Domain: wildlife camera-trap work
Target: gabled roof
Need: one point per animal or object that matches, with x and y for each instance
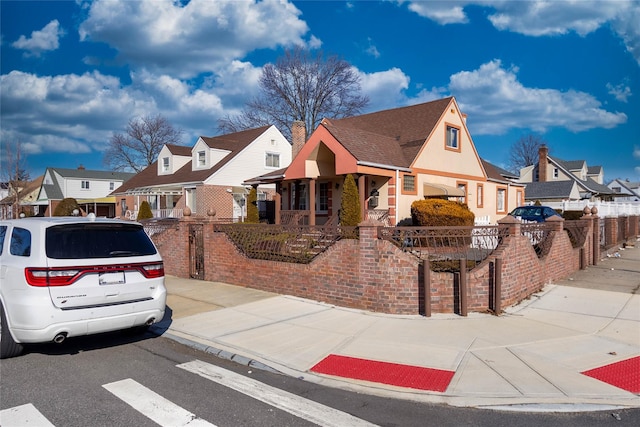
(391, 137)
(633, 188)
(179, 150)
(27, 189)
(589, 185)
(549, 190)
(233, 142)
(92, 174)
(496, 173)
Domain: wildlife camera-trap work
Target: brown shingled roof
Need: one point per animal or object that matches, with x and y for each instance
(234, 142)
(401, 132)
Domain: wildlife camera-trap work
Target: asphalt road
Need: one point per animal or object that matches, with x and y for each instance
(123, 380)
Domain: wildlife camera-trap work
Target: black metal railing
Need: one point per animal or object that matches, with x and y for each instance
(286, 243)
(539, 233)
(444, 247)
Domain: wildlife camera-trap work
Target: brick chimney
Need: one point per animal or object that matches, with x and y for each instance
(80, 168)
(298, 137)
(543, 152)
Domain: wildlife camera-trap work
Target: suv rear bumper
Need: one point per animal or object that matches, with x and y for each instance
(88, 326)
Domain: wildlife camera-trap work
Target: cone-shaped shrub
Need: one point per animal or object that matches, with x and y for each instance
(66, 207)
(441, 213)
(145, 211)
(350, 214)
(253, 216)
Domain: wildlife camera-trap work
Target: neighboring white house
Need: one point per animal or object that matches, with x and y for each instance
(207, 178)
(625, 190)
(90, 188)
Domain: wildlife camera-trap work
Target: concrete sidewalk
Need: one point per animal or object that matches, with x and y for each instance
(533, 357)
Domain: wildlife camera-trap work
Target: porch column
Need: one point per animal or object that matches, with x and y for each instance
(277, 202)
(312, 201)
(361, 196)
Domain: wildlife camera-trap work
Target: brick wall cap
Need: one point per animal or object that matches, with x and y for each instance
(509, 219)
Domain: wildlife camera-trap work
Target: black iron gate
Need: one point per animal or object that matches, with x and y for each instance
(196, 251)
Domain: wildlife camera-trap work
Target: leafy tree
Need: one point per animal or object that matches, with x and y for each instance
(350, 213)
(524, 152)
(140, 145)
(253, 216)
(145, 211)
(66, 207)
(301, 86)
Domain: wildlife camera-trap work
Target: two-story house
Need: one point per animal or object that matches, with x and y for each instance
(207, 178)
(90, 188)
(555, 180)
(397, 156)
(625, 190)
(20, 198)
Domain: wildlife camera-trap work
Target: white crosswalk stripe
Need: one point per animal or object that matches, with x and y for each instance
(303, 408)
(167, 414)
(153, 406)
(23, 415)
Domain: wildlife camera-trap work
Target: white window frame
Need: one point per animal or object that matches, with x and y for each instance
(272, 160)
(165, 164)
(202, 159)
(84, 185)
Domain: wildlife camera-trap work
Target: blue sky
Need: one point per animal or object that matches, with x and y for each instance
(75, 72)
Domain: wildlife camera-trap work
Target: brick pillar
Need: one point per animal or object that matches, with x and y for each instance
(513, 224)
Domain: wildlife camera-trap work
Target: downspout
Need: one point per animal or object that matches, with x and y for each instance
(397, 194)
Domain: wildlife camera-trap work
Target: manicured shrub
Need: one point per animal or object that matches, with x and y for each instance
(350, 214)
(441, 213)
(253, 216)
(145, 211)
(66, 207)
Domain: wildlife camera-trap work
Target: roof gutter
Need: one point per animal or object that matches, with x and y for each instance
(381, 166)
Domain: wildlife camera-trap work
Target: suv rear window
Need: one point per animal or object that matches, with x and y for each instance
(97, 240)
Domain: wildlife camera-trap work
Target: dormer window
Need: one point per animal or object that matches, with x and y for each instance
(165, 164)
(202, 161)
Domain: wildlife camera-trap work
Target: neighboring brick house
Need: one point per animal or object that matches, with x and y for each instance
(20, 199)
(207, 177)
(555, 180)
(90, 188)
(398, 156)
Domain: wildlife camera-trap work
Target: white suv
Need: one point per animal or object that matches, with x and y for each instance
(68, 276)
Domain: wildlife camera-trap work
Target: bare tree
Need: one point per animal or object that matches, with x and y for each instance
(14, 173)
(140, 145)
(300, 86)
(524, 152)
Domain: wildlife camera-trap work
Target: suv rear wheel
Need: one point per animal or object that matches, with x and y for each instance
(8, 347)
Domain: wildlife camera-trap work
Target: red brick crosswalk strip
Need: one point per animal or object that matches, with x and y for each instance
(385, 373)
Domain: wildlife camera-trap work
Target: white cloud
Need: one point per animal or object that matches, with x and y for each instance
(545, 18)
(636, 151)
(199, 37)
(621, 92)
(41, 41)
(372, 49)
(385, 89)
(497, 102)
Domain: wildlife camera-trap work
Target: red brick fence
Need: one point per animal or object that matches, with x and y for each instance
(371, 273)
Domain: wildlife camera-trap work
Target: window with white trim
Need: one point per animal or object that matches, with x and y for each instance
(111, 186)
(165, 164)
(272, 160)
(84, 185)
(501, 200)
(202, 160)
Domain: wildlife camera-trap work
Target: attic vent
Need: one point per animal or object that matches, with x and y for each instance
(273, 142)
(453, 111)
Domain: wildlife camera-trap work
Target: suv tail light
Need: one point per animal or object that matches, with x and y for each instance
(65, 276)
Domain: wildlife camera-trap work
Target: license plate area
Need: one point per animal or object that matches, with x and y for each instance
(111, 278)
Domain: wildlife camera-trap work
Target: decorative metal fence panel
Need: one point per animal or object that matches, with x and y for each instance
(444, 247)
(286, 243)
(196, 251)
